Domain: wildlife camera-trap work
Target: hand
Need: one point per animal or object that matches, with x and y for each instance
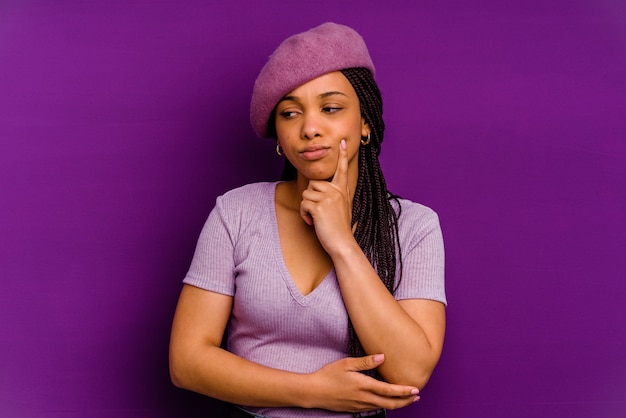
(326, 205)
(339, 386)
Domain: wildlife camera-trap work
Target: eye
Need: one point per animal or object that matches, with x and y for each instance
(331, 109)
(288, 114)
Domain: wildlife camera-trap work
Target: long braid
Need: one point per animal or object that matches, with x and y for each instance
(376, 220)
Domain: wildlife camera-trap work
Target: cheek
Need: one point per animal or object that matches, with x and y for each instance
(280, 132)
(354, 132)
(353, 149)
(282, 128)
(354, 140)
(283, 135)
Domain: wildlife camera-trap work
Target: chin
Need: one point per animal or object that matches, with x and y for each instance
(320, 176)
(319, 173)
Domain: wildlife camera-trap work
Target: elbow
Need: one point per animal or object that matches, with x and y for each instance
(416, 375)
(424, 371)
(177, 371)
(417, 378)
(422, 379)
(176, 380)
(175, 375)
(421, 368)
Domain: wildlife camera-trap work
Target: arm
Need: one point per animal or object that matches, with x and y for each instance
(409, 332)
(199, 364)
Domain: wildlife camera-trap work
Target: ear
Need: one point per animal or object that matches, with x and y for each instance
(365, 128)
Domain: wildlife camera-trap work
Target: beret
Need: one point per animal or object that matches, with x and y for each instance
(301, 58)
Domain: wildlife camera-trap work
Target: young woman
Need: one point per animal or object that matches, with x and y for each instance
(327, 289)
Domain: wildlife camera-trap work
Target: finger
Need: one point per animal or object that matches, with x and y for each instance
(312, 193)
(395, 403)
(341, 173)
(305, 213)
(373, 401)
(388, 390)
(383, 388)
(367, 362)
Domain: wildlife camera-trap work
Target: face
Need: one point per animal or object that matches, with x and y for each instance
(312, 120)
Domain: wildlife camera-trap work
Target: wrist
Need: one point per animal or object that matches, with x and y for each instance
(305, 391)
(345, 250)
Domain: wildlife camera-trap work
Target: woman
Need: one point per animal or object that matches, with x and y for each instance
(328, 288)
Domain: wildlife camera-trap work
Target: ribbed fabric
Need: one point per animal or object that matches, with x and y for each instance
(272, 323)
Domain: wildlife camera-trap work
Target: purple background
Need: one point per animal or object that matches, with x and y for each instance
(120, 122)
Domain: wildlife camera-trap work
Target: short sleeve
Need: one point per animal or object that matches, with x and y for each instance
(212, 266)
(423, 260)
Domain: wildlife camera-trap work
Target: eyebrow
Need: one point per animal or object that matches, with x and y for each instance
(321, 96)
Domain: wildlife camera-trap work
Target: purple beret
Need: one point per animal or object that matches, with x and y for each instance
(301, 58)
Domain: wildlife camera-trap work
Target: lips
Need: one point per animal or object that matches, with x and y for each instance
(314, 153)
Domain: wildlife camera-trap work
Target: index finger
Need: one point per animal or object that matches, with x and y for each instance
(340, 178)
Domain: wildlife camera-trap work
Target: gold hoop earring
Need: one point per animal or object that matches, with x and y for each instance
(279, 150)
(367, 140)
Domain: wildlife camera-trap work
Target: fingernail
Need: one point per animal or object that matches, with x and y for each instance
(343, 144)
(417, 398)
(415, 391)
(379, 358)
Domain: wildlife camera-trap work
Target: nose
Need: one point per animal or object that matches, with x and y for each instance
(310, 125)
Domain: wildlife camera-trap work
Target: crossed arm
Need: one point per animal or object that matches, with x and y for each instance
(409, 332)
(199, 364)
(403, 338)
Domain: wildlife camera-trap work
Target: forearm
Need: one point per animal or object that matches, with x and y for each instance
(382, 324)
(217, 373)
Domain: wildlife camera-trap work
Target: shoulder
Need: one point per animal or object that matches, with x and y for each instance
(245, 202)
(415, 213)
(241, 198)
(248, 192)
(423, 253)
(415, 221)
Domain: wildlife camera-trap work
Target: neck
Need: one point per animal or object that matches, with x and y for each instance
(301, 183)
(294, 188)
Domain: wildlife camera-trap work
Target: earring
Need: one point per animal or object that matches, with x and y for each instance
(367, 140)
(279, 150)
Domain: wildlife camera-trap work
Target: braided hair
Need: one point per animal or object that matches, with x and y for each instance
(375, 218)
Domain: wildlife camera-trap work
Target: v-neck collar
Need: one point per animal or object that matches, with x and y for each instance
(301, 298)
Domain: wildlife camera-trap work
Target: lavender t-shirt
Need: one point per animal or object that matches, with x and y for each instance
(272, 323)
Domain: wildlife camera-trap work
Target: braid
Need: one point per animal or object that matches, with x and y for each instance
(376, 220)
